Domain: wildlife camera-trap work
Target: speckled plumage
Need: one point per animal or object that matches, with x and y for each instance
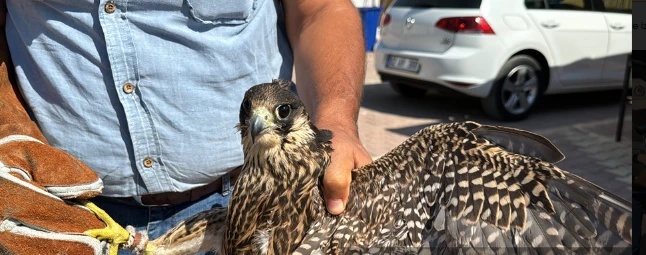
(450, 188)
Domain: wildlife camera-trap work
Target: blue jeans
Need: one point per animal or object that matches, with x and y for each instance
(157, 219)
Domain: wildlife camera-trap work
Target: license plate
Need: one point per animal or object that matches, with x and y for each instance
(400, 63)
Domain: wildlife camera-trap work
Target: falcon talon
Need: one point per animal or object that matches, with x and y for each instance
(113, 232)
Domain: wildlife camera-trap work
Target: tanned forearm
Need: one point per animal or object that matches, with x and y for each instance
(327, 41)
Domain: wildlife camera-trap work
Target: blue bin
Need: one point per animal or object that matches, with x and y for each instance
(370, 18)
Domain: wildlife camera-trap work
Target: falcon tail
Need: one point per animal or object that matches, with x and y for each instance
(200, 233)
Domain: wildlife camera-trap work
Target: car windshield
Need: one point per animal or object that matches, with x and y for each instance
(464, 4)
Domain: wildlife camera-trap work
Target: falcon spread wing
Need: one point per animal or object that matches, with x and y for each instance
(450, 188)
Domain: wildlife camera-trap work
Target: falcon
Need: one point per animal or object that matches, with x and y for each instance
(450, 188)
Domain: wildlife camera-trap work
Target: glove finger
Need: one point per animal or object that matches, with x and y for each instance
(30, 243)
(57, 171)
(29, 204)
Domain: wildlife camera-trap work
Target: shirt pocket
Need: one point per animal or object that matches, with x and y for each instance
(221, 12)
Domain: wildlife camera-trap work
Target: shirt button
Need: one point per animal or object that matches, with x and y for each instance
(110, 7)
(128, 88)
(148, 162)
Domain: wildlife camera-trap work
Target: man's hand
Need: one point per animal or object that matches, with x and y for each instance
(37, 213)
(329, 60)
(38, 183)
(348, 154)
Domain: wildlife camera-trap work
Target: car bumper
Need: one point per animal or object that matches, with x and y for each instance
(466, 70)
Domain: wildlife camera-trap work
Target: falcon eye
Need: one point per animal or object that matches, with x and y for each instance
(245, 105)
(283, 111)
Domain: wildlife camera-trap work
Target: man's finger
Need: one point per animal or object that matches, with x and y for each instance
(336, 183)
(338, 177)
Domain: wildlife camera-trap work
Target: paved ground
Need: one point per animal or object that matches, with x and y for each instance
(581, 125)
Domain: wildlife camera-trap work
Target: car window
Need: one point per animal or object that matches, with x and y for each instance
(466, 4)
(572, 5)
(623, 6)
(535, 4)
(569, 4)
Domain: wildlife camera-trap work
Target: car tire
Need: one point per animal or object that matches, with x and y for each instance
(516, 90)
(408, 90)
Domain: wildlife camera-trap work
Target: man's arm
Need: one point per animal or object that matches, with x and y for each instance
(329, 54)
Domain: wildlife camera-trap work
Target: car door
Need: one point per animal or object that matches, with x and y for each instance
(618, 15)
(577, 37)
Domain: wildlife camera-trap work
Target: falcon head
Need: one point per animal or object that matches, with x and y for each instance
(285, 156)
(273, 118)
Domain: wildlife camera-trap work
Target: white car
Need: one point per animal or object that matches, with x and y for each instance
(506, 52)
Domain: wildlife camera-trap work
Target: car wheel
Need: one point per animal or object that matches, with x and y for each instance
(408, 90)
(516, 90)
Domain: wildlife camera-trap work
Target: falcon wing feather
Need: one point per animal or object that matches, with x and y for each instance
(465, 186)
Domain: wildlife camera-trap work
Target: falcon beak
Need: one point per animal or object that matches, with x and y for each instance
(257, 126)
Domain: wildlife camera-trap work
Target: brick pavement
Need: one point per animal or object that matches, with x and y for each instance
(596, 156)
(589, 147)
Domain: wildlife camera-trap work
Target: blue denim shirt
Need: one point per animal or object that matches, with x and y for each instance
(146, 92)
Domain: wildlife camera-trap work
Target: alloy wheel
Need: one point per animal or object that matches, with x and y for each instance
(520, 89)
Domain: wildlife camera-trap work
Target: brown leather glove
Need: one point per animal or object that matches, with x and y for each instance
(40, 186)
(33, 217)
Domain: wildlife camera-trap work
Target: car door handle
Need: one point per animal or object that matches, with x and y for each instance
(616, 26)
(549, 24)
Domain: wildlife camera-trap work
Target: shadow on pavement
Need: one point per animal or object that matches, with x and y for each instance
(553, 111)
